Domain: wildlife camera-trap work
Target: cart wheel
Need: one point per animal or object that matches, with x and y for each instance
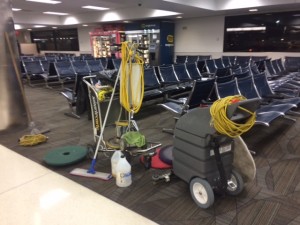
(235, 184)
(201, 192)
(155, 177)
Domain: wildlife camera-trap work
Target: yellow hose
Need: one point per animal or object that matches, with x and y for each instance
(131, 85)
(224, 125)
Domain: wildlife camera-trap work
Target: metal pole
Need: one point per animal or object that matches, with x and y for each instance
(13, 112)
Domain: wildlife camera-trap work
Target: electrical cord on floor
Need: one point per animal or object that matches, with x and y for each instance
(33, 139)
(223, 124)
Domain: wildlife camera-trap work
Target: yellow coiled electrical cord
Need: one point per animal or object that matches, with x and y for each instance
(223, 124)
(103, 92)
(131, 88)
(34, 139)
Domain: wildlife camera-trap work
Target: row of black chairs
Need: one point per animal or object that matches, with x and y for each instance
(75, 71)
(177, 79)
(168, 81)
(250, 87)
(280, 79)
(273, 105)
(48, 62)
(62, 72)
(59, 71)
(190, 58)
(224, 61)
(212, 65)
(292, 63)
(159, 82)
(57, 57)
(280, 82)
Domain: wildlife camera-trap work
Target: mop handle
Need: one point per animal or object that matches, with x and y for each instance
(106, 114)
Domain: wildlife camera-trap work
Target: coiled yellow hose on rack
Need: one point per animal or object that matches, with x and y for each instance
(132, 78)
(223, 124)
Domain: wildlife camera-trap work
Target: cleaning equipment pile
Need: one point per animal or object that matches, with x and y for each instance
(131, 94)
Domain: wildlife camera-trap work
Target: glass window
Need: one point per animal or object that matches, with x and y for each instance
(274, 32)
(56, 40)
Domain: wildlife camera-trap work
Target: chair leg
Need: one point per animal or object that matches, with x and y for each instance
(72, 114)
(47, 84)
(289, 118)
(168, 130)
(29, 81)
(293, 113)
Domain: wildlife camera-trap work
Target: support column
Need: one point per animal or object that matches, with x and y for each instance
(13, 111)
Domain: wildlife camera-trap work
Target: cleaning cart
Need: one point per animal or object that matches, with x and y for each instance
(202, 152)
(106, 105)
(129, 83)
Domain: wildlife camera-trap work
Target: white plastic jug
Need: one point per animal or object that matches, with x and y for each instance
(114, 161)
(123, 171)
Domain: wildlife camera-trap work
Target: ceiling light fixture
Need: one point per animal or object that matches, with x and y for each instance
(17, 27)
(39, 26)
(94, 7)
(110, 16)
(45, 1)
(158, 13)
(253, 10)
(70, 20)
(16, 9)
(85, 25)
(245, 29)
(178, 17)
(54, 27)
(56, 13)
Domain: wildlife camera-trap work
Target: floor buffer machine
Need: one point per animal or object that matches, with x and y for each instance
(129, 84)
(206, 147)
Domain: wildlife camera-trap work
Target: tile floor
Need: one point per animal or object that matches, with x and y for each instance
(32, 194)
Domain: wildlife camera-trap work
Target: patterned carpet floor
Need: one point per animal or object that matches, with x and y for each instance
(272, 198)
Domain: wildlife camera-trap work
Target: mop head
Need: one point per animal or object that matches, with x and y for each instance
(85, 173)
(33, 139)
